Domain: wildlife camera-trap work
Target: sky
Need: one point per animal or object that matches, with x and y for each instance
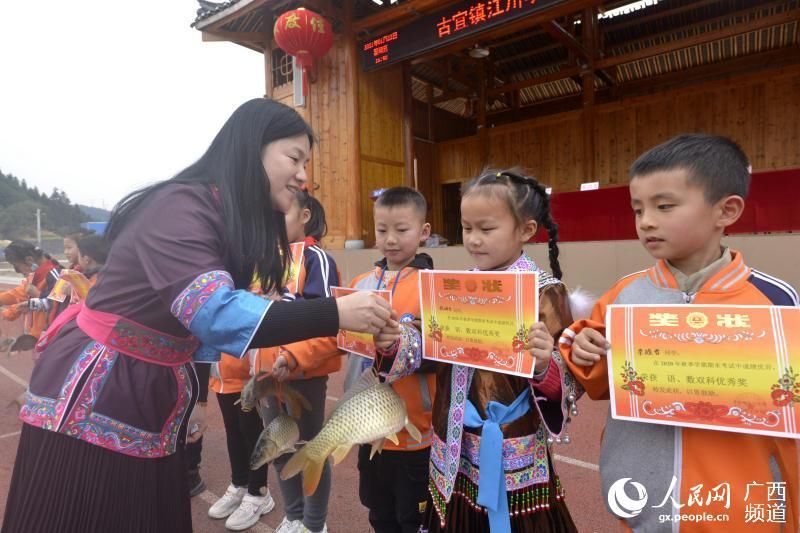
(99, 97)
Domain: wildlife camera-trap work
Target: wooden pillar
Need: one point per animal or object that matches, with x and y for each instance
(408, 126)
(483, 133)
(587, 77)
(268, 29)
(353, 223)
(429, 95)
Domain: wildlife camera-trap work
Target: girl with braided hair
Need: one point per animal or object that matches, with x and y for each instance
(472, 488)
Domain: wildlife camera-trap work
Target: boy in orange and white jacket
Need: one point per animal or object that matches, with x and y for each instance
(393, 485)
(684, 194)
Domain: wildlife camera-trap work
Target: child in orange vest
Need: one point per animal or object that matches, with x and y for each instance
(30, 297)
(684, 194)
(393, 484)
(306, 364)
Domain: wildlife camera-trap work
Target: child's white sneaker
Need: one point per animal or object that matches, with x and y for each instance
(229, 502)
(250, 510)
(289, 526)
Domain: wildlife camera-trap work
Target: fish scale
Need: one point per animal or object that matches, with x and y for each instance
(277, 438)
(369, 413)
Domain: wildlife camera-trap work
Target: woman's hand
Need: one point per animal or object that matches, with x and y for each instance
(364, 312)
(541, 345)
(197, 423)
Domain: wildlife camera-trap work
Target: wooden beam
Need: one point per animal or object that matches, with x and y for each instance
(565, 38)
(746, 12)
(216, 21)
(398, 14)
(529, 53)
(641, 19)
(514, 38)
(751, 65)
(771, 59)
(232, 36)
(754, 25)
(559, 75)
(447, 96)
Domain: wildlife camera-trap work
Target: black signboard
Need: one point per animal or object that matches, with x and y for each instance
(445, 26)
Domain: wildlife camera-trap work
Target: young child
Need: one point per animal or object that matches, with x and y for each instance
(30, 297)
(500, 212)
(392, 485)
(92, 255)
(684, 194)
(72, 252)
(306, 364)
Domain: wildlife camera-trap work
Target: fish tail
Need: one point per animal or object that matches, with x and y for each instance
(311, 467)
(296, 402)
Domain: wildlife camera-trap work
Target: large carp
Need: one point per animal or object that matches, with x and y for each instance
(368, 413)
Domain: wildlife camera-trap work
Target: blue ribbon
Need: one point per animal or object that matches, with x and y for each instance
(492, 484)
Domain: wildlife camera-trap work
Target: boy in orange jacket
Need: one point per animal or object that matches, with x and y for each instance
(684, 194)
(393, 484)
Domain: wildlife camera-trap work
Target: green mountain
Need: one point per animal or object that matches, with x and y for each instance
(96, 214)
(18, 204)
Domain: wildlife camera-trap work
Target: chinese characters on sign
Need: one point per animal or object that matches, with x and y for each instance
(477, 14)
(479, 319)
(720, 367)
(444, 26)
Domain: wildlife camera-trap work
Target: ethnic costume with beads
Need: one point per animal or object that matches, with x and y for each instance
(521, 491)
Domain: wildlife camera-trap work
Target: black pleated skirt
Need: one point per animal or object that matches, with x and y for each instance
(65, 485)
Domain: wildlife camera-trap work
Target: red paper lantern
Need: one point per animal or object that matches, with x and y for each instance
(305, 35)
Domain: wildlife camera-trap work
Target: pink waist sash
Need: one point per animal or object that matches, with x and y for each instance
(124, 335)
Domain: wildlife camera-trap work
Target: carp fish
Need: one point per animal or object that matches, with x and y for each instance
(277, 438)
(263, 385)
(370, 412)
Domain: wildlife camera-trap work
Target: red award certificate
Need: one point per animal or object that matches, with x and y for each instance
(350, 341)
(479, 319)
(730, 368)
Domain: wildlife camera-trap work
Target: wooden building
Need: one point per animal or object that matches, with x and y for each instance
(429, 92)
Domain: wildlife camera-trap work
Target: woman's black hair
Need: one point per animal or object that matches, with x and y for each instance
(257, 238)
(17, 251)
(527, 200)
(316, 226)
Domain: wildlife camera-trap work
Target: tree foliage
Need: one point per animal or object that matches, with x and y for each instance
(18, 204)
